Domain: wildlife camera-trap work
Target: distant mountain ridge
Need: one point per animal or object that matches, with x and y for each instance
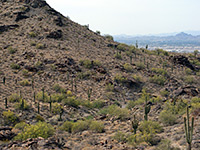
(179, 39)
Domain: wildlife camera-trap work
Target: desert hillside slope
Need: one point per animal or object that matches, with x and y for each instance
(83, 89)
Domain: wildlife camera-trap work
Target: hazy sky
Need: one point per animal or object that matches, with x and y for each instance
(132, 16)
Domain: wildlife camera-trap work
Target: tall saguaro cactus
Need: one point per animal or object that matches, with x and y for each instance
(147, 109)
(188, 130)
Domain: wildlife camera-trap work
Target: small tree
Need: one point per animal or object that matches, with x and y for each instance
(196, 52)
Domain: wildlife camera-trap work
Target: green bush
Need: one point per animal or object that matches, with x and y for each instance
(84, 75)
(109, 37)
(10, 118)
(98, 104)
(159, 71)
(14, 98)
(120, 136)
(123, 47)
(140, 65)
(120, 79)
(89, 63)
(21, 126)
(115, 111)
(109, 87)
(118, 55)
(96, 126)
(128, 67)
(79, 126)
(58, 97)
(25, 73)
(189, 79)
(137, 78)
(150, 127)
(167, 117)
(12, 50)
(40, 129)
(14, 66)
(188, 71)
(58, 88)
(25, 83)
(40, 46)
(160, 80)
(71, 101)
(18, 105)
(39, 118)
(32, 34)
(164, 93)
(195, 102)
(39, 96)
(56, 108)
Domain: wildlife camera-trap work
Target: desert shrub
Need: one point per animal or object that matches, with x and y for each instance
(40, 129)
(128, 67)
(98, 104)
(189, 79)
(165, 144)
(195, 103)
(115, 111)
(21, 126)
(10, 118)
(14, 98)
(120, 136)
(71, 101)
(25, 83)
(158, 79)
(25, 72)
(18, 105)
(40, 46)
(96, 126)
(39, 118)
(140, 65)
(164, 93)
(32, 34)
(69, 93)
(79, 126)
(57, 97)
(188, 71)
(38, 64)
(14, 66)
(156, 99)
(84, 75)
(56, 108)
(118, 55)
(58, 88)
(33, 43)
(39, 96)
(162, 52)
(177, 106)
(109, 37)
(123, 47)
(131, 104)
(89, 63)
(137, 77)
(12, 50)
(159, 71)
(167, 117)
(109, 87)
(150, 127)
(120, 79)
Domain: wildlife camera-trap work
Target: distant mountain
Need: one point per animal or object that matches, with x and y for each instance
(179, 39)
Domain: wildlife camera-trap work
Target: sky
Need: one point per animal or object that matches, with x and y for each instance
(132, 17)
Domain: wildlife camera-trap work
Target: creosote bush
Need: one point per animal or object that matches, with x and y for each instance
(12, 50)
(14, 98)
(167, 117)
(159, 71)
(158, 79)
(79, 126)
(10, 118)
(25, 83)
(40, 129)
(14, 66)
(128, 67)
(58, 88)
(39, 96)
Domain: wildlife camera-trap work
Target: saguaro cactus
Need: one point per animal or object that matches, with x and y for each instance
(135, 124)
(4, 80)
(6, 102)
(38, 107)
(188, 130)
(147, 109)
(22, 104)
(89, 92)
(43, 94)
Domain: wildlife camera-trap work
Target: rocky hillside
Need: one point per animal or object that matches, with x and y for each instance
(63, 86)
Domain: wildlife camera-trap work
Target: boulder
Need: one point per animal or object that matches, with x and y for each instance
(55, 34)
